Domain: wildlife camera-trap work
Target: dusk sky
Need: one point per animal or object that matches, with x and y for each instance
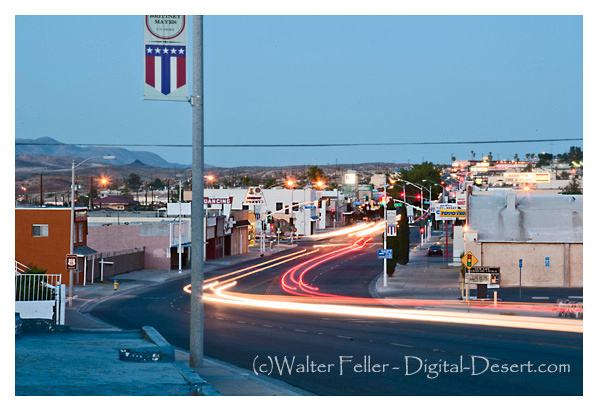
(312, 79)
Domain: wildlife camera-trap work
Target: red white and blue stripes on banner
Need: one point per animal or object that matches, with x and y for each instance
(165, 67)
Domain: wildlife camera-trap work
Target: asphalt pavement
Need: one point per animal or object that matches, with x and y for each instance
(338, 354)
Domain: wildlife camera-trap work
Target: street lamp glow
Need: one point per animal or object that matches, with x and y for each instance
(319, 184)
(290, 183)
(72, 238)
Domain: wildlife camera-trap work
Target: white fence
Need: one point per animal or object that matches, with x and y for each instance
(40, 296)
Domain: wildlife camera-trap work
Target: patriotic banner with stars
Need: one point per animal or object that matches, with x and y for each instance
(165, 50)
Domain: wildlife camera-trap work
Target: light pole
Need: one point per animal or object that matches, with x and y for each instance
(290, 183)
(72, 239)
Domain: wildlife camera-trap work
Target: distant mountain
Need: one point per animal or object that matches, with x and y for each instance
(46, 146)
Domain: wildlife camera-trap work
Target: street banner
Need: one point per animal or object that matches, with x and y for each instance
(165, 51)
(391, 231)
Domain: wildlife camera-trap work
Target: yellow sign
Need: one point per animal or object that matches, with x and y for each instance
(469, 260)
(457, 213)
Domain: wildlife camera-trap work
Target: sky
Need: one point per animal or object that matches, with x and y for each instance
(312, 79)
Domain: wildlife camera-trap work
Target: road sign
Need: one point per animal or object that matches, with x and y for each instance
(310, 207)
(71, 262)
(546, 261)
(385, 253)
(469, 260)
(520, 263)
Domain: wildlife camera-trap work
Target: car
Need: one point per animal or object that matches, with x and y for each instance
(435, 250)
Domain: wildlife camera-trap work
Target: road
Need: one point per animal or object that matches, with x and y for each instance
(351, 355)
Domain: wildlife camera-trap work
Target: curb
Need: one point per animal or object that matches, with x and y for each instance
(150, 334)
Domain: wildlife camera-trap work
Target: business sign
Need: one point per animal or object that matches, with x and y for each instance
(444, 206)
(217, 201)
(174, 233)
(173, 209)
(478, 278)
(385, 253)
(460, 200)
(526, 177)
(455, 213)
(485, 270)
(254, 196)
(165, 51)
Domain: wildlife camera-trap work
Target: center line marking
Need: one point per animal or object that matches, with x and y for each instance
(343, 336)
(301, 331)
(402, 345)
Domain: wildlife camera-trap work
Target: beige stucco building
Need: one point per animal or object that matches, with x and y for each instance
(545, 231)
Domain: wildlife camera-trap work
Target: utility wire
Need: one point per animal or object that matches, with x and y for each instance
(306, 145)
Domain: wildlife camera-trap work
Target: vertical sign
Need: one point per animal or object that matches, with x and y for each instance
(165, 51)
(391, 224)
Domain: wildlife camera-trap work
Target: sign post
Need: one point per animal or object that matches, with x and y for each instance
(520, 265)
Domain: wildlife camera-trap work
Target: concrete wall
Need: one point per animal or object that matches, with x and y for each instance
(565, 262)
(154, 237)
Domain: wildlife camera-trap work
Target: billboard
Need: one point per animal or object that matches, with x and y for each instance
(165, 57)
(526, 177)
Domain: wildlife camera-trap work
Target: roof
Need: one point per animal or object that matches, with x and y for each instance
(242, 223)
(84, 250)
(527, 218)
(115, 200)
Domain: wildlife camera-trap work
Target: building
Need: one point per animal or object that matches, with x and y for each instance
(544, 231)
(116, 203)
(42, 238)
(309, 205)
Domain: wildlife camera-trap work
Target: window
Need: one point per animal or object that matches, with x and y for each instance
(80, 232)
(279, 206)
(40, 230)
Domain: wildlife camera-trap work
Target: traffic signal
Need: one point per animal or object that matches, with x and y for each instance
(421, 230)
(401, 194)
(272, 227)
(383, 201)
(291, 220)
(417, 196)
(469, 261)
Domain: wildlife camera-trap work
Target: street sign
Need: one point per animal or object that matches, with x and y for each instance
(71, 262)
(310, 207)
(469, 260)
(391, 216)
(520, 263)
(385, 253)
(546, 261)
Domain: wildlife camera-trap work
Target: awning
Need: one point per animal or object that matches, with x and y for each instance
(241, 223)
(84, 250)
(314, 218)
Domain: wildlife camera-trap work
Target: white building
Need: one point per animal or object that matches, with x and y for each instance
(309, 213)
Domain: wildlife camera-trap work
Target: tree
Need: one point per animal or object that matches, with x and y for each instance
(490, 156)
(473, 154)
(315, 174)
(157, 184)
(544, 159)
(516, 158)
(403, 237)
(573, 187)
(270, 182)
(134, 182)
(419, 172)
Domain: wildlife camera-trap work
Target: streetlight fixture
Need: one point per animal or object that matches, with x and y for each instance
(72, 239)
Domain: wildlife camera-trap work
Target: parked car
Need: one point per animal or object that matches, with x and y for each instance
(435, 250)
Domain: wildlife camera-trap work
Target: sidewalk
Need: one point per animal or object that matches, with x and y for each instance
(421, 280)
(227, 379)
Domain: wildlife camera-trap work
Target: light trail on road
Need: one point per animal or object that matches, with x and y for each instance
(293, 283)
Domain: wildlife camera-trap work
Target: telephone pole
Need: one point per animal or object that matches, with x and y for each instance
(196, 328)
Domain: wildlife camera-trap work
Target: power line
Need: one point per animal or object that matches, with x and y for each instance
(306, 145)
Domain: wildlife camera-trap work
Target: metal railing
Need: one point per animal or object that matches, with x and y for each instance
(20, 268)
(36, 287)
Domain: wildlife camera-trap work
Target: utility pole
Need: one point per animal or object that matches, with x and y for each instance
(179, 248)
(41, 190)
(91, 193)
(385, 236)
(196, 326)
